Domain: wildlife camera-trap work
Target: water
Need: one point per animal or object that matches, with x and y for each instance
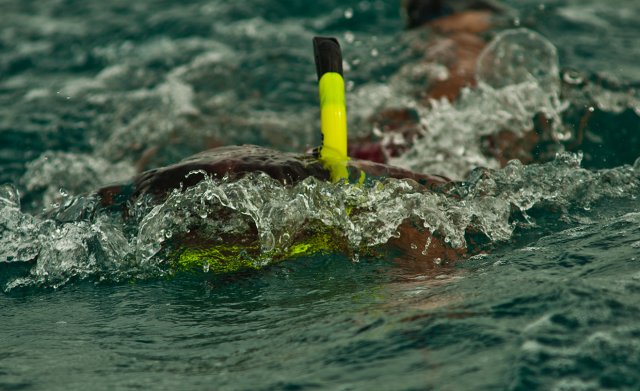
(90, 93)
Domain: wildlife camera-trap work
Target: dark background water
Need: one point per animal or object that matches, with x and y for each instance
(87, 88)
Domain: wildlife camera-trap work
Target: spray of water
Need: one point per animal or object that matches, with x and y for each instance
(80, 240)
(518, 77)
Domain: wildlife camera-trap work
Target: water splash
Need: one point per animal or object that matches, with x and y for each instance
(512, 89)
(82, 241)
(519, 56)
(16, 228)
(56, 175)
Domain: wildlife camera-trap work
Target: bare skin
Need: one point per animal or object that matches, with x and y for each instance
(457, 46)
(458, 39)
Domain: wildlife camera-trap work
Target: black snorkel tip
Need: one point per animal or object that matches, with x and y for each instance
(327, 55)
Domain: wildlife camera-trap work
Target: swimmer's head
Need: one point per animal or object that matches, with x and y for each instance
(420, 12)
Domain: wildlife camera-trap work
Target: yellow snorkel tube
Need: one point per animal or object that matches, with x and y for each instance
(333, 111)
(224, 257)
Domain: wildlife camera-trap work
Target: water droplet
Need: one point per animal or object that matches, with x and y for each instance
(349, 37)
(9, 196)
(348, 13)
(519, 56)
(572, 77)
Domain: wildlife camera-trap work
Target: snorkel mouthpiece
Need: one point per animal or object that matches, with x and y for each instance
(333, 112)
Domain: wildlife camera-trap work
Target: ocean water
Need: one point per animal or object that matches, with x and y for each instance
(93, 92)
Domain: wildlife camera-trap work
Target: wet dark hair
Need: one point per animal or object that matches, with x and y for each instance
(419, 12)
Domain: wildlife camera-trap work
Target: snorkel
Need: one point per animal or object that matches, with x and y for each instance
(333, 112)
(332, 154)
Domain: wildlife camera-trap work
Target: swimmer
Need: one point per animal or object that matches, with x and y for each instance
(457, 35)
(330, 162)
(458, 31)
